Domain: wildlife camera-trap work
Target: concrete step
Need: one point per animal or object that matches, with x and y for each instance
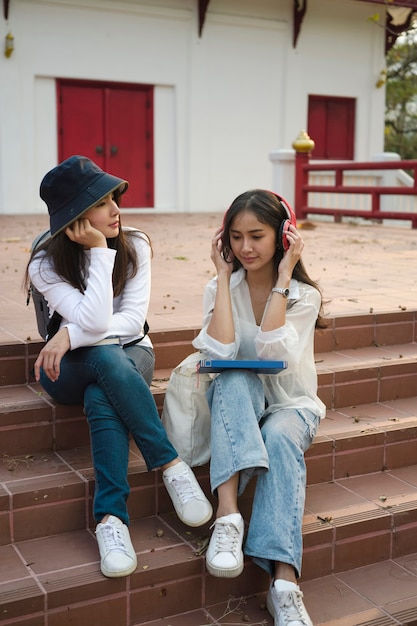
(38, 488)
(352, 524)
(361, 512)
(352, 605)
(360, 521)
(31, 421)
(344, 332)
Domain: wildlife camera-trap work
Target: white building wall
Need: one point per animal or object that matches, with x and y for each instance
(222, 101)
(340, 52)
(237, 105)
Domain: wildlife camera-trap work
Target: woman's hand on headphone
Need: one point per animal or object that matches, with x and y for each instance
(81, 231)
(293, 254)
(217, 254)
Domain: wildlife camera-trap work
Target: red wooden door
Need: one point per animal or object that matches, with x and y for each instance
(113, 126)
(331, 124)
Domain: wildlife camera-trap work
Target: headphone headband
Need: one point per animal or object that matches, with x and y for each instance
(290, 211)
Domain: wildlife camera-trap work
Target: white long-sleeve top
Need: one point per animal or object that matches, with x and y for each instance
(95, 314)
(294, 387)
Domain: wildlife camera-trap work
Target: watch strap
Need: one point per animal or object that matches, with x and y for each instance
(283, 292)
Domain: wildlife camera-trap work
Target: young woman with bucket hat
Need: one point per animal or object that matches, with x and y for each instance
(96, 275)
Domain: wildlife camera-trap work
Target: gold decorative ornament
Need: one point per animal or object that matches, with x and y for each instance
(9, 45)
(382, 79)
(303, 143)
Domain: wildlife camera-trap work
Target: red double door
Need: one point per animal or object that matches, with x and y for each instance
(111, 124)
(331, 124)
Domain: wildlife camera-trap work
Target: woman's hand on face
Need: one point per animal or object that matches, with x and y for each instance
(217, 254)
(51, 354)
(293, 254)
(81, 231)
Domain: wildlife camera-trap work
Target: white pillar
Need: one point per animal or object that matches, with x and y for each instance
(283, 173)
(386, 156)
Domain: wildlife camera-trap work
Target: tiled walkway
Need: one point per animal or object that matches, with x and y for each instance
(360, 268)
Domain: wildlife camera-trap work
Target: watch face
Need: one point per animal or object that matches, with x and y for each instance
(286, 292)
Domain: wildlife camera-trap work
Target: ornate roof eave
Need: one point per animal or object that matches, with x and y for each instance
(392, 30)
(202, 9)
(299, 10)
(407, 4)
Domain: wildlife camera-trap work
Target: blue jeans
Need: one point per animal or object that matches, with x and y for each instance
(248, 439)
(113, 385)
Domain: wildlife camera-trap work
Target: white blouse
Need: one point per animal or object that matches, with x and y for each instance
(294, 387)
(94, 315)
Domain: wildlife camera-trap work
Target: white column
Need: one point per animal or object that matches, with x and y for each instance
(283, 173)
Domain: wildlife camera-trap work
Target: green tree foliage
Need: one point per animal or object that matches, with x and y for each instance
(401, 97)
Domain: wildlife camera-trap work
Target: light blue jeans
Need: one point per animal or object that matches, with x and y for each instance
(113, 385)
(248, 439)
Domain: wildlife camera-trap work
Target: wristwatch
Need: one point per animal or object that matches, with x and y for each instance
(284, 292)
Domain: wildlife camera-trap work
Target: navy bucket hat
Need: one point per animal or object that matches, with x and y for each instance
(74, 186)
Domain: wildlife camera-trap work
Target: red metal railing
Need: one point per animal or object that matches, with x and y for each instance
(302, 188)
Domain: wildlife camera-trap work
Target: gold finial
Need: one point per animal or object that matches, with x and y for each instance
(9, 45)
(303, 143)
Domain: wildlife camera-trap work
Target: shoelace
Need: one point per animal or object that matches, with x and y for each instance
(290, 603)
(184, 488)
(226, 535)
(113, 538)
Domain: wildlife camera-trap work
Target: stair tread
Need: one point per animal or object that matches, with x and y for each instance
(338, 510)
(347, 420)
(330, 602)
(46, 478)
(350, 429)
(368, 356)
(378, 594)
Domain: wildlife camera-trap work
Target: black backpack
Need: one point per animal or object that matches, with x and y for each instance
(49, 326)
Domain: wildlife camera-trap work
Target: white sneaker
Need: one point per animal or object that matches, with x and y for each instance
(190, 503)
(287, 608)
(224, 557)
(118, 557)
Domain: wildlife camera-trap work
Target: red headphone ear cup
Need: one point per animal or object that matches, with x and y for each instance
(284, 228)
(282, 237)
(290, 211)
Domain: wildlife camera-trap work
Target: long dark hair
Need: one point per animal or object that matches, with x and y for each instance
(269, 210)
(68, 259)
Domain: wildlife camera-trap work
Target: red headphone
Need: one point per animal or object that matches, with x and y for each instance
(284, 228)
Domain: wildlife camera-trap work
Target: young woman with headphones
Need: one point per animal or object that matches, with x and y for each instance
(261, 305)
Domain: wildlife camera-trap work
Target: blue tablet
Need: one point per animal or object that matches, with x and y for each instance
(260, 367)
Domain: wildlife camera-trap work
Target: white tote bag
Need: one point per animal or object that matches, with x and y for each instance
(186, 414)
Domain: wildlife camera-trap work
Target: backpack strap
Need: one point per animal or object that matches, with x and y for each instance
(135, 341)
(53, 325)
